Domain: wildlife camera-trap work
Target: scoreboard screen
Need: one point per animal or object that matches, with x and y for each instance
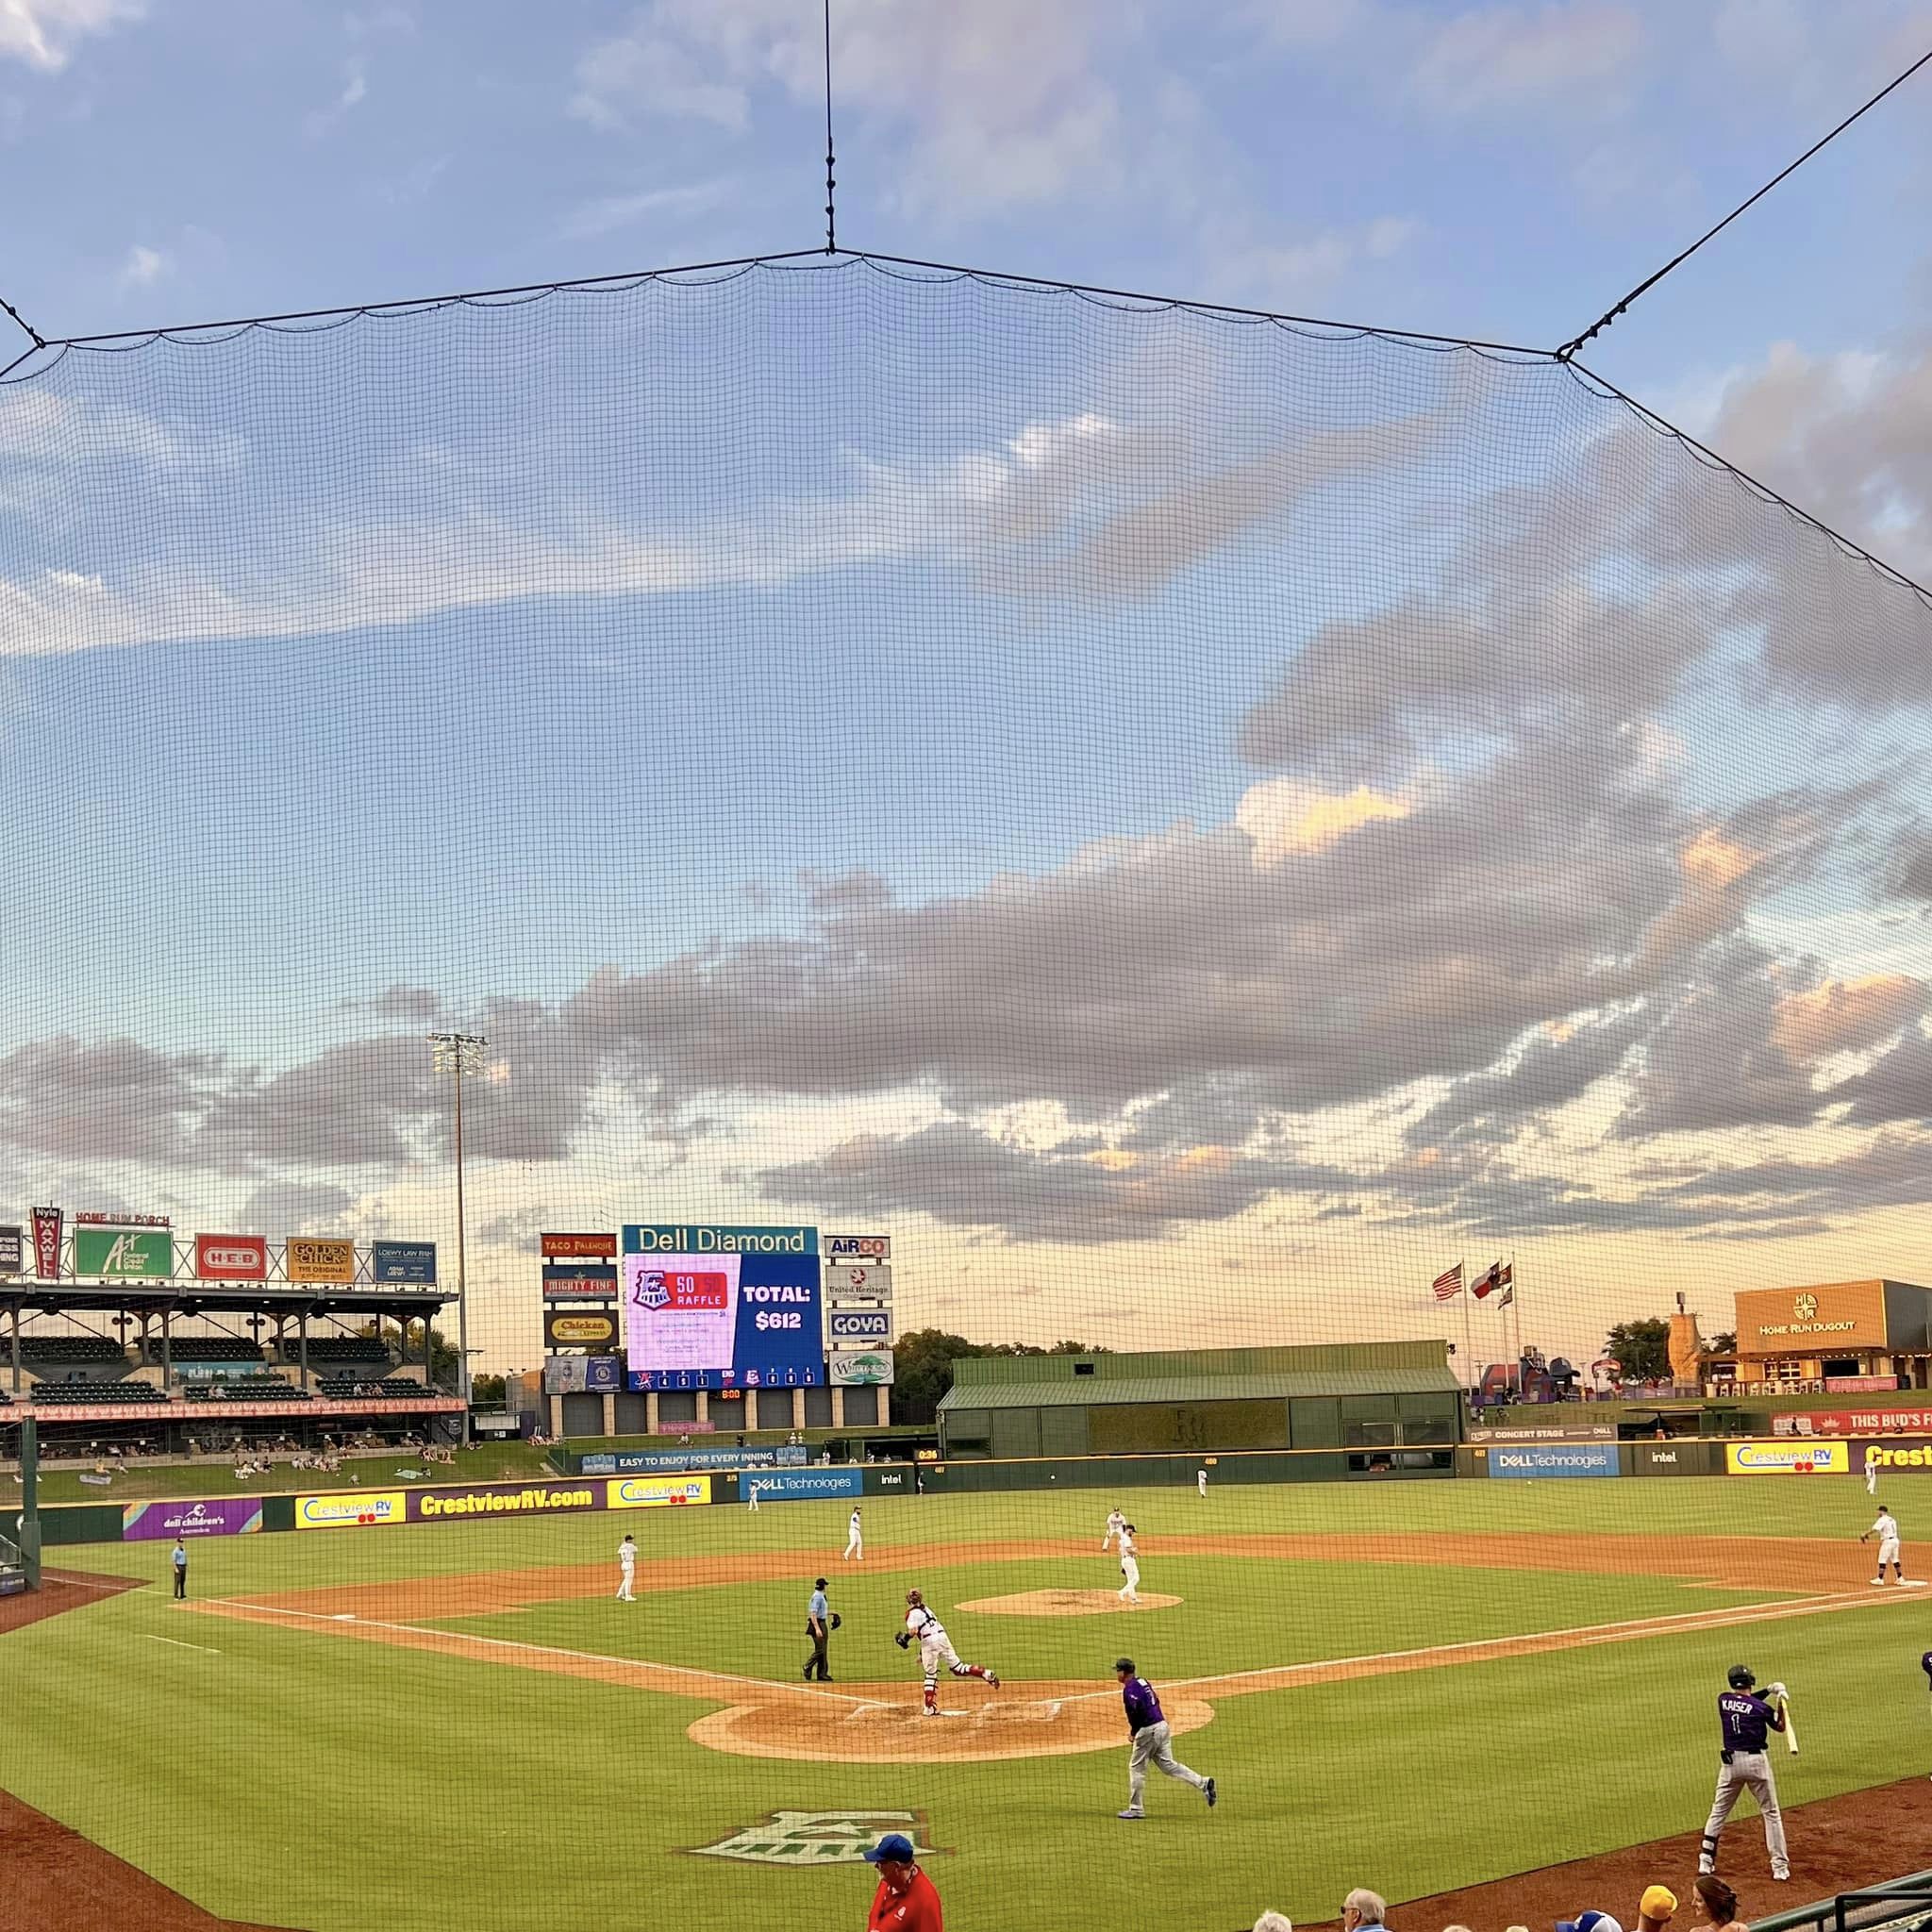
(723, 1320)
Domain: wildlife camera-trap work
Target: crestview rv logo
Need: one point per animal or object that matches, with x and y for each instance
(818, 1838)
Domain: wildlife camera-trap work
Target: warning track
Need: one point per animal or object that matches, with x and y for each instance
(880, 1723)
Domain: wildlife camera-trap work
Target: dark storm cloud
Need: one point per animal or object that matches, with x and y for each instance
(1896, 1086)
(1894, 1170)
(117, 1100)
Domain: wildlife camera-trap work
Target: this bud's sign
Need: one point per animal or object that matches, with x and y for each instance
(231, 1256)
(47, 1242)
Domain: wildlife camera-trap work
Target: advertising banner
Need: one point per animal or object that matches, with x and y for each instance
(1855, 1422)
(402, 1263)
(1543, 1461)
(123, 1254)
(320, 1260)
(161, 1411)
(351, 1510)
(859, 1327)
(1787, 1459)
(1895, 1453)
(231, 1256)
(856, 1247)
(858, 1282)
(1834, 1317)
(580, 1281)
(724, 1319)
(603, 1374)
(804, 1485)
(1568, 1432)
(590, 1328)
(634, 1462)
(445, 1503)
(656, 1491)
(580, 1247)
(12, 1251)
(870, 1370)
(148, 1523)
(47, 1242)
(703, 1238)
(582, 1374)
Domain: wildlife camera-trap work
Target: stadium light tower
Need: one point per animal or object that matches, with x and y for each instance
(460, 1053)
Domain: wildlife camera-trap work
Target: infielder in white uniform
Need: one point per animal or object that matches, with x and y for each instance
(1130, 1570)
(1116, 1522)
(935, 1648)
(1886, 1530)
(854, 1541)
(628, 1568)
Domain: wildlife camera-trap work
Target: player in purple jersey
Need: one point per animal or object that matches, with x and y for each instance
(1745, 1722)
(1152, 1740)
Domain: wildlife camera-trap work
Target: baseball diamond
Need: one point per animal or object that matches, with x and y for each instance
(1411, 1616)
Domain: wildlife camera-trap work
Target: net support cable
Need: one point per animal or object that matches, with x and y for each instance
(1568, 352)
(46, 351)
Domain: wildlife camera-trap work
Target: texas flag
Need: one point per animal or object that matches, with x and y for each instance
(1488, 1281)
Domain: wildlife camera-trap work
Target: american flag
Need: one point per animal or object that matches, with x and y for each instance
(1449, 1286)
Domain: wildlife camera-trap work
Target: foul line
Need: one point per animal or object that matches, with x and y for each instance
(1373, 1662)
(456, 1638)
(155, 1637)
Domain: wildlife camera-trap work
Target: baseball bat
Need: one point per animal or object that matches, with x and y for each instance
(1790, 1727)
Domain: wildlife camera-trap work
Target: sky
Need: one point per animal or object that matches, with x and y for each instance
(1190, 824)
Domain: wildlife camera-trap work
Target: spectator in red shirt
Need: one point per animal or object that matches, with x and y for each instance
(906, 1901)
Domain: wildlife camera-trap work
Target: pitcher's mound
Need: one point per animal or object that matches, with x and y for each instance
(1067, 1603)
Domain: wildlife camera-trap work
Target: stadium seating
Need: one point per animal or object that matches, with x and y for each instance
(69, 1351)
(353, 1388)
(207, 1348)
(47, 1394)
(246, 1389)
(338, 1348)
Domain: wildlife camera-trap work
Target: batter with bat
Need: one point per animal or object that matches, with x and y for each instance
(1745, 1723)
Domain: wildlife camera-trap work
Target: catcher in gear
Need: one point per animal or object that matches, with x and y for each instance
(936, 1648)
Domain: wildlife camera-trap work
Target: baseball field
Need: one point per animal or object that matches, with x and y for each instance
(1420, 1688)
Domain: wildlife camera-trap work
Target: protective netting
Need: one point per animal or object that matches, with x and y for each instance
(1192, 827)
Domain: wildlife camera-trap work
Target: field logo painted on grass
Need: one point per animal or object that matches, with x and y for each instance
(349, 1510)
(655, 1493)
(212, 1516)
(1788, 1458)
(818, 1838)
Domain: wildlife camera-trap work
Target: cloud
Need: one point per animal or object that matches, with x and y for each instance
(610, 212)
(962, 1176)
(1847, 1016)
(1296, 274)
(1000, 103)
(44, 33)
(297, 1207)
(1498, 59)
(143, 268)
(1284, 816)
(1569, 56)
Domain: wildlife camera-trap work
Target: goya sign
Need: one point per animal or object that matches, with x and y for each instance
(123, 1254)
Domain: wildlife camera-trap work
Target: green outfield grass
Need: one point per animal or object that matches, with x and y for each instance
(293, 1777)
(213, 1476)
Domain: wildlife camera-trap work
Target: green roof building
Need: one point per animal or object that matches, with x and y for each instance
(1372, 1397)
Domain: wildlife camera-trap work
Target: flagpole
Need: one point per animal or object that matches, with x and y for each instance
(1468, 1362)
(1516, 1303)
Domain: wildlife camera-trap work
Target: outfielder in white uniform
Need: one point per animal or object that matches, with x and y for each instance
(1116, 1522)
(627, 1567)
(1201, 1483)
(854, 1541)
(1871, 1478)
(751, 1495)
(1130, 1570)
(936, 1648)
(1886, 1530)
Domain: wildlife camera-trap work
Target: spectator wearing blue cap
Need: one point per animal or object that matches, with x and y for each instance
(1588, 1922)
(906, 1900)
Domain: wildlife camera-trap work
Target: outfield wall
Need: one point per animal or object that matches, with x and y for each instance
(386, 1506)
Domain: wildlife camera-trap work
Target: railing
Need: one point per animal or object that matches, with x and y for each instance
(1900, 1905)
